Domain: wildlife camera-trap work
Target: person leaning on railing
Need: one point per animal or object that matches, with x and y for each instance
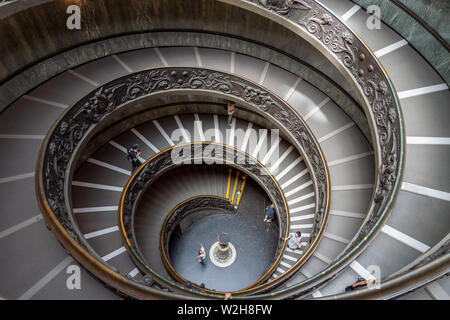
(360, 283)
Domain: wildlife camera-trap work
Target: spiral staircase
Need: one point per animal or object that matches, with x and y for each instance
(329, 187)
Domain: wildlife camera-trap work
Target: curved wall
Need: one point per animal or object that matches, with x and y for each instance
(37, 34)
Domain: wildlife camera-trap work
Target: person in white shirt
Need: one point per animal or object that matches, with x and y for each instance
(295, 240)
(201, 255)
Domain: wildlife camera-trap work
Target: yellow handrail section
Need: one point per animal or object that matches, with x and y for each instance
(241, 190)
(228, 183)
(235, 186)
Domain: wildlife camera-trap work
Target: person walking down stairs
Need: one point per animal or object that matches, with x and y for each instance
(270, 213)
(230, 109)
(133, 157)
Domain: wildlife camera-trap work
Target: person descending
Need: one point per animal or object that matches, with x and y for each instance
(133, 157)
(270, 213)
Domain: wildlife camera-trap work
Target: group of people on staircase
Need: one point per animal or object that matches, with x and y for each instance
(294, 239)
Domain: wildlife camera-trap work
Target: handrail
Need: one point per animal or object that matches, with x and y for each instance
(378, 97)
(67, 135)
(359, 65)
(163, 161)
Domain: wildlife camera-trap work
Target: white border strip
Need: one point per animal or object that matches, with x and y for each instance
(247, 136)
(133, 272)
(347, 214)
(275, 166)
(336, 238)
(22, 136)
(95, 209)
(301, 187)
(262, 138)
(113, 254)
(232, 61)
(390, 48)
(424, 191)
(359, 269)
(404, 238)
(86, 79)
(350, 158)
(44, 101)
(436, 291)
(164, 134)
(311, 113)
(197, 57)
(350, 12)
(108, 166)
(308, 206)
(306, 196)
(428, 140)
(289, 168)
(144, 139)
(420, 91)
(101, 232)
(20, 226)
(292, 89)
(294, 178)
(264, 73)
(336, 132)
(271, 151)
(123, 64)
(181, 127)
(96, 186)
(217, 135)
(352, 187)
(17, 177)
(198, 124)
(302, 217)
(161, 57)
(46, 279)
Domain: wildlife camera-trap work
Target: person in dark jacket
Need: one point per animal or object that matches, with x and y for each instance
(270, 213)
(133, 157)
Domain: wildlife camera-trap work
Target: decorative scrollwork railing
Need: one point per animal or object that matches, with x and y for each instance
(358, 63)
(186, 154)
(72, 130)
(428, 267)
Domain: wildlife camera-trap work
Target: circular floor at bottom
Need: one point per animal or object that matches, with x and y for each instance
(255, 242)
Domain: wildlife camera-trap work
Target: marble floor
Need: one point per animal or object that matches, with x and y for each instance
(255, 242)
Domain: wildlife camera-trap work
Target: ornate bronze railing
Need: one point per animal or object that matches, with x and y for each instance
(336, 41)
(74, 128)
(378, 98)
(208, 153)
